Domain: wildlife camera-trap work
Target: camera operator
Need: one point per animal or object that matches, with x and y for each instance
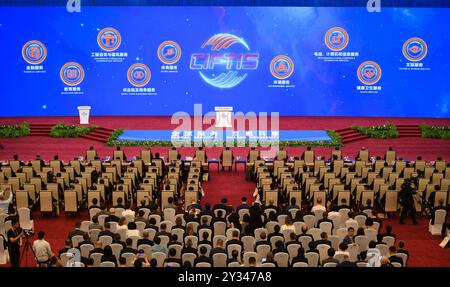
(14, 235)
(406, 198)
(42, 250)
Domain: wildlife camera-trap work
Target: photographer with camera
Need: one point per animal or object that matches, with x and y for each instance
(14, 235)
(406, 199)
(42, 250)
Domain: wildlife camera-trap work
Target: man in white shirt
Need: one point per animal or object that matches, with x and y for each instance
(6, 198)
(42, 250)
(129, 213)
(318, 206)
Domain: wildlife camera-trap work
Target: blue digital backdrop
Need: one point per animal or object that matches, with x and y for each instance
(308, 78)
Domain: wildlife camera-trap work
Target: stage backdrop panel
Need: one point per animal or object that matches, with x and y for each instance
(159, 60)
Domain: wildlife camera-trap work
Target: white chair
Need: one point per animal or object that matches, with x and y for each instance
(300, 264)
(304, 241)
(242, 212)
(188, 257)
(217, 237)
(224, 212)
(93, 211)
(208, 249)
(118, 211)
(341, 233)
(180, 234)
(229, 233)
(116, 248)
(261, 251)
(140, 226)
(315, 232)
(330, 264)
(178, 248)
(194, 225)
(169, 225)
(85, 249)
(269, 210)
(147, 249)
(339, 257)
(326, 227)
(208, 217)
(293, 250)
(107, 264)
(318, 214)
(97, 257)
(362, 264)
(156, 217)
(232, 247)
(371, 234)
(105, 240)
(194, 240)
(249, 243)
(65, 258)
(247, 256)
(282, 259)
(396, 264)
(151, 233)
(93, 235)
(323, 251)
(274, 239)
(220, 260)
(313, 259)
(270, 226)
(389, 240)
(164, 240)
(160, 257)
(123, 234)
(404, 257)
(101, 219)
(203, 264)
(353, 251)
(363, 242)
(129, 257)
(353, 224)
(85, 225)
(384, 250)
(234, 264)
(169, 214)
(76, 240)
(439, 219)
(334, 241)
(219, 228)
(344, 215)
(310, 220)
(258, 232)
(298, 227)
(361, 219)
(113, 226)
(129, 218)
(337, 221)
(281, 219)
(24, 218)
(134, 239)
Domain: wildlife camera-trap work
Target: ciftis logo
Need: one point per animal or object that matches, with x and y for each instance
(72, 74)
(281, 67)
(225, 61)
(139, 75)
(34, 52)
(336, 39)
(109, 39)
(169, 52)
(415, 49)
(369, 73)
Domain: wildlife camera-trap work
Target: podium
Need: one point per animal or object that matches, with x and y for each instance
(223, 117)
(84, 114)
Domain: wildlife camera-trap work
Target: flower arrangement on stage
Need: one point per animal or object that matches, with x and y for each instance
(70, 131)
(386, 131)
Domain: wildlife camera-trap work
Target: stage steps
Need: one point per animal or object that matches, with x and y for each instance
(350, 135)
(409, 131)
(40, 129)
(99, 135)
